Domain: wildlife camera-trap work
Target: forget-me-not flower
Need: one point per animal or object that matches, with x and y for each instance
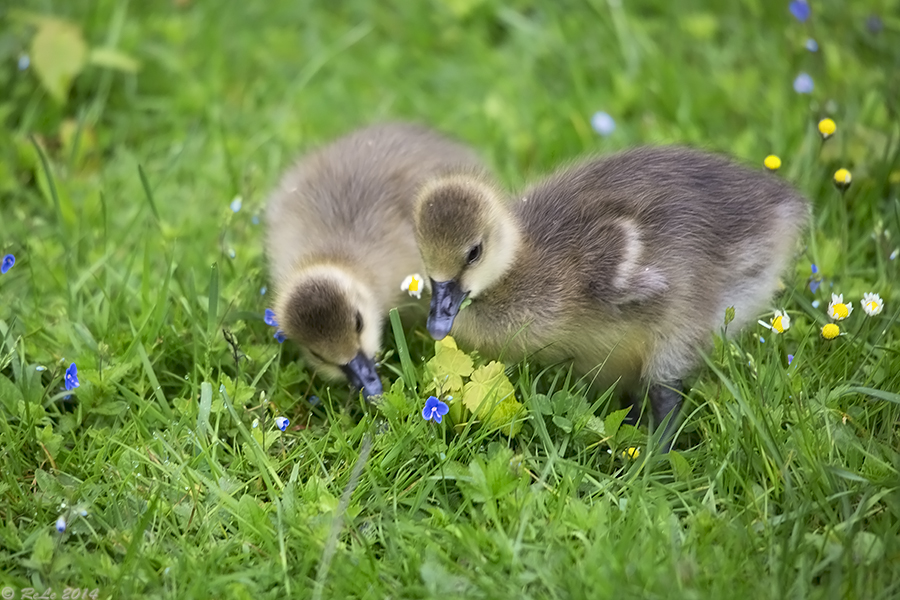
(434, 409)
(8, 261)
(282, 423)
(800, 9)
(71, 378)
(603, 123)
(280, 336)
(269, 318)
(803, 84)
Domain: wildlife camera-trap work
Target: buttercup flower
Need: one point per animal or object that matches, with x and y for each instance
(837, 310)
(772, 162)
(61, 524)
(603, 123)
(71, 379)
(842, 179)
(8, 261)
(830, 331)
(282, 423)
(269, 318)
(827, 128)
(872, 304)
(434, 409)
(780, 323)
(280, 336)
(800, 9)
(803, 84)
(631, 452)
(413, 285)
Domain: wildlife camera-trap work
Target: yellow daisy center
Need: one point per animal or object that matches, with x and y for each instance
(842, 176)
(873, 306)
(777, 325)
(830, 331)
(840, 311)
(827, 127)
(414, 285)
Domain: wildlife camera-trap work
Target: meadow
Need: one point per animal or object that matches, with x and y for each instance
(139, 142)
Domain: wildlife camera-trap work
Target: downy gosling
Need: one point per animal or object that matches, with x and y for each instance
(623, 265)
(340, 241)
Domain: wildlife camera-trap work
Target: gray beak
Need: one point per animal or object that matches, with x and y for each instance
(362, 374)
(446, 298)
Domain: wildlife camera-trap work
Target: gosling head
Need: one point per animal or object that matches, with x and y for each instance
(468, 239)
(333, 316)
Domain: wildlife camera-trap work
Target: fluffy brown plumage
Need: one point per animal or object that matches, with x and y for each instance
(340, 240)
(626, 262)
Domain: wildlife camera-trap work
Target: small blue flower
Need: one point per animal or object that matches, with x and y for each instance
(811, 45)
(61, 524)
(314, 401)
(814, 280)
(236, 204)
(24, 62)
(255, 219)
(603, 123)
(762, 340)
(800, 10)
(269, 318)
(263, 290)
(72, 378)
(790, 358)
(815, 303)
(813, 268)
(434, 409)
(874, 24)
(803, 84)
(8, 261)
(280, 336)
(282, 423)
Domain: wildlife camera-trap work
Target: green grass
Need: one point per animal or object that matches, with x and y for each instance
(130, 263)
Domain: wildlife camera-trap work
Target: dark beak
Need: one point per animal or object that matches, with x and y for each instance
(362, 374)
(446, 298)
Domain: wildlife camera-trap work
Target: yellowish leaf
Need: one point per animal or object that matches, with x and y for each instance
(58, 53)
(449, 366)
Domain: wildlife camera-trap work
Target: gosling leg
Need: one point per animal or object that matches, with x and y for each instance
(665, 400)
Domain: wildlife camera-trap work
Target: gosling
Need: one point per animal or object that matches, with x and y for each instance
(340, 241)
(622, 265)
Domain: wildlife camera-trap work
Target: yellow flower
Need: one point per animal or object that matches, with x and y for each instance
(827, 128)
(631, 452)
(837, 310)
(872, 304)
(842, 179)
(780, 323)
(772, 162)
(830, 331)
(413, 285)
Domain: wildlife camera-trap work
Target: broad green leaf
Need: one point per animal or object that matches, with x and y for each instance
(613, 421)
(58, 53)
(10, 395)
(449, 366)
(113, 59)
(680, 465)
(491, 397)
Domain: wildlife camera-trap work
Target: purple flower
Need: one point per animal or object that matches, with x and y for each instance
(280, 336)
(790, 358)
(282, 423)
(811, 45)
(800, 10)
(71, 377)
(434, 409)
(813, 268)
(8, 261)
(803, 84)
(603, 123)
(269, 318)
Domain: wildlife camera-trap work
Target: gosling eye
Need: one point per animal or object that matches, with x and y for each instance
(359, 323)
(474, 254)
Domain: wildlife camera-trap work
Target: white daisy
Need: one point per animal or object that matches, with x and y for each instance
(837, 310)
(780, 323)
(872, 304)
(413, 285)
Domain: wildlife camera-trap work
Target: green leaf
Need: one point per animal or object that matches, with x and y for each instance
(449, 366)
(491, 397)
(867, 548)
(680, 465)
(42, 553)
(613, 421)
(205, 407)
(563, 423)
(58, 53)
(10, 395)
(113, 59)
